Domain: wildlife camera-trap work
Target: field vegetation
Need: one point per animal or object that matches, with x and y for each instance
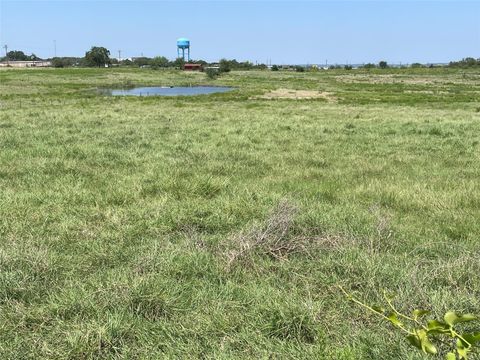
(219, 226)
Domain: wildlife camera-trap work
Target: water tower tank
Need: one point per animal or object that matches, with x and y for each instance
(183, 43)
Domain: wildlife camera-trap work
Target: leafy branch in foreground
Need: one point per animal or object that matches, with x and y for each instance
(420, 332)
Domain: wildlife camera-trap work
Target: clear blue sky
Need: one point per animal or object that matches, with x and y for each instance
(283, 31)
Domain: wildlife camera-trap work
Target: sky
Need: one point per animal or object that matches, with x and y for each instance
(278, 32)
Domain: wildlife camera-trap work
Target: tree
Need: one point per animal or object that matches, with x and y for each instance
(274, 68)
(212, 73)
(16, 55)
(97, 56)
(348, 67)
(178, 63)
(382, 64)
(159, 61)
(126, 62)
(60, 62)
(224, 66)
(417, 65)
(299, 68)
(369, 66)
(142, 61)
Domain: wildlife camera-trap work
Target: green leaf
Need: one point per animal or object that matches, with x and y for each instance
(418, 313)
(437, 327)
(452, 318)
(462, 349)
(472, 338)
(451, 356)
(378, 309)
(462, 354)
(394, 319)
(421, 341)
(415, 341)
(427, 346)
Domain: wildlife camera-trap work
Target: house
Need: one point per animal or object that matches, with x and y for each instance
(193, 67)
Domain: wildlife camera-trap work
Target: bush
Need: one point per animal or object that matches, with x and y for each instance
(417, 66)
(212, 73)
(369, 66)
(382, 64)
(466, 62)
(348, 67)
(224, 66)
(299, 69)
(274, 68)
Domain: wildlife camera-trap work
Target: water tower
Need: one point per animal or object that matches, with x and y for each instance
(183, 44)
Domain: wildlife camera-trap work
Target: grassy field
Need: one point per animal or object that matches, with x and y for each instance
(218, 226)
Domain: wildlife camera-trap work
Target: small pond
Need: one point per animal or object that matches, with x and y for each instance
(167, 91)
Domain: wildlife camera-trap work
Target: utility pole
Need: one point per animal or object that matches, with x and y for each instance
(55, 48)
(119, 55)
(6, 52)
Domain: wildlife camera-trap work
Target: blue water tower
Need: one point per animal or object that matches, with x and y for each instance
(182, 45)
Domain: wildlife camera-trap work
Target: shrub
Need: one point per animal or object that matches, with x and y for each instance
(422, 333)
(211, 73)
(224, 66)
(275, 68)
(383, 64)
(299, 69)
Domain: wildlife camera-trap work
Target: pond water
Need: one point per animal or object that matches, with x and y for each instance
(167, 91)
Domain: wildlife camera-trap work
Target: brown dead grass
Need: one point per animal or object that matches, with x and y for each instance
(297, 95)
(274, 238)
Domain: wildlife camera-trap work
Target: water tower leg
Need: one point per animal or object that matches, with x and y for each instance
(188, 49)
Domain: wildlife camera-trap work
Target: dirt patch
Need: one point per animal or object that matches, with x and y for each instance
(297, 95)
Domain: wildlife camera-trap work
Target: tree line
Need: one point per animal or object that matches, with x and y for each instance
(99, 56)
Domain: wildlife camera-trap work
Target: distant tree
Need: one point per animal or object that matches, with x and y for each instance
(142, 61)
(417, 65)
(59, 62)
(299, 68)
(126, 62)
(178, 63)
(225, 65)
(369, 66)
(348, 67)
(159, 62)
(17, 55)
(66, 61)
(97, 56)
(382, 64)
(274, 68)
(466, 62)
(212, 73)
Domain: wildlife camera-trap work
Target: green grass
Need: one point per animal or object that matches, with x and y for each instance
(122, 219)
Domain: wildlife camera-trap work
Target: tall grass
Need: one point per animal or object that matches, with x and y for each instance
(219, 226)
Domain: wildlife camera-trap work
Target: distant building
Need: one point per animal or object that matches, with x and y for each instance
(26, 64)
(193, 67)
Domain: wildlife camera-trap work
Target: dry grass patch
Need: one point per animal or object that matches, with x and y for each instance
(297, 95)
(277, 239)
